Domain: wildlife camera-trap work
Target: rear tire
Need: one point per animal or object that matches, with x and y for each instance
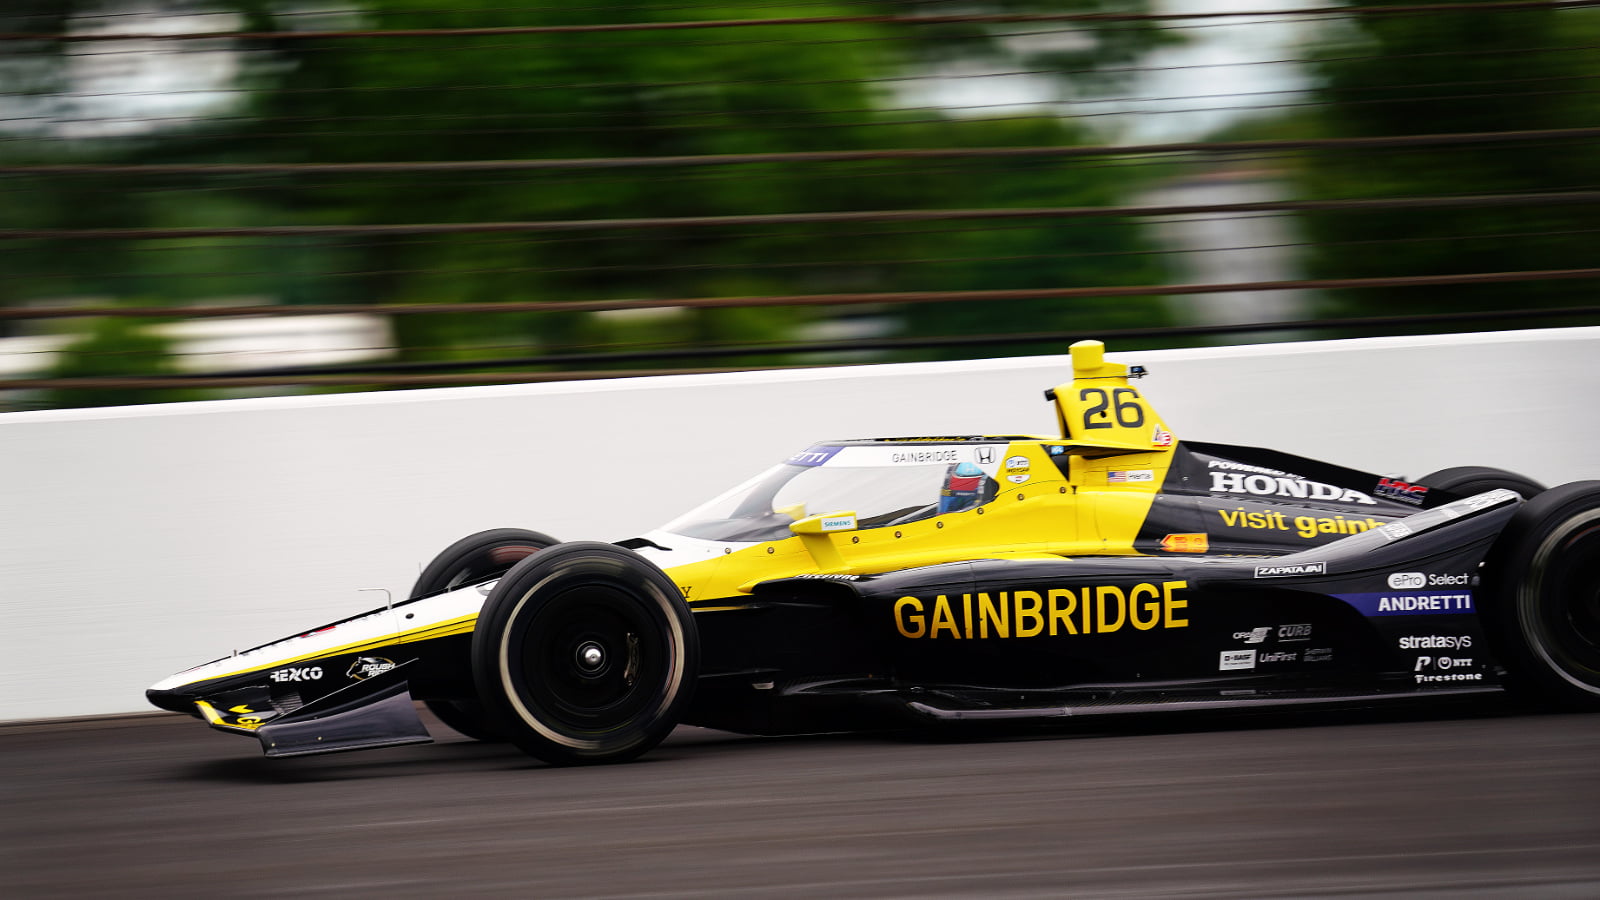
(1469, 480)
(1544, 597)
(474, 558)
(585, 653)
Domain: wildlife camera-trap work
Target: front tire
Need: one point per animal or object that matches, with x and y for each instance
(475, 558)
(585, 653)
(1544, 597)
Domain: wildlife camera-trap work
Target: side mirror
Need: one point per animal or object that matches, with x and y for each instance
(825, 524)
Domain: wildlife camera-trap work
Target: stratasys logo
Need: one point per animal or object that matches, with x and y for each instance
(369, 667)
(1436, 642)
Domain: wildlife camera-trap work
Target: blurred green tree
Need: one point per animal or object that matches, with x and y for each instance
(1455, 72)
(828, 86)
(119, 348)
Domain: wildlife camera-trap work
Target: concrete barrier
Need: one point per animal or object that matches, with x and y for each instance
(137, 541)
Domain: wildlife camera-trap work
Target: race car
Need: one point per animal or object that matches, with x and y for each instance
(899, 583)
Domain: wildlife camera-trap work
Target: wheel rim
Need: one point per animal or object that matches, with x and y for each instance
(589, 663)
(1563, 618)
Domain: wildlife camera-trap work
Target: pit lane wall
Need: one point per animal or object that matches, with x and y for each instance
(138, 541)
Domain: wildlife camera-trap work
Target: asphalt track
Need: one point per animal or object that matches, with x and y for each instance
(1445, 804)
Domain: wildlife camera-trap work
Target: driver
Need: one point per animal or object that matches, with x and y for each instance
(963, 483)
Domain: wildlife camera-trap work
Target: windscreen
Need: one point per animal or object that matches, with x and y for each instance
(882, 485)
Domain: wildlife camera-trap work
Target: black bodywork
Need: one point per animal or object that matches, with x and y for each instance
(1388, 612)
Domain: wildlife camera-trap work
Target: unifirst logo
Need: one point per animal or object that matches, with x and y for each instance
(1052, 612)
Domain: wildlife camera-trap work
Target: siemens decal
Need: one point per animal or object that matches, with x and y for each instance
(1047, 611)
(1283, 486)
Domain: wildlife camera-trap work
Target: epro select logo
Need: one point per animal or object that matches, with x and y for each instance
(1410, 581)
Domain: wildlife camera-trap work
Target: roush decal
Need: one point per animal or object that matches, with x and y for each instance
(369, 667)
(1045, 612)
(1409, 603)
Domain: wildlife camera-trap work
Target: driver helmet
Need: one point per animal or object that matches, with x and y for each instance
(962, 484)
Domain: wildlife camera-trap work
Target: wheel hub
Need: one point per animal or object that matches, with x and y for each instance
(590, 657)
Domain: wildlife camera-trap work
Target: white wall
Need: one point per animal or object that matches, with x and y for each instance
(137, 541)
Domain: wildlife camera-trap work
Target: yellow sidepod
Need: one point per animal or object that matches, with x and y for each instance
(1116, 495)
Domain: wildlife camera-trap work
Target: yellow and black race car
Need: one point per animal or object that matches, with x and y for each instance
(880, 584)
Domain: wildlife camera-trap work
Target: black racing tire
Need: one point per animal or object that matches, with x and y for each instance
(466, 717)
(585, 653)
(479, 557)
(1543, 598)
(1469, 480)
(474, 558)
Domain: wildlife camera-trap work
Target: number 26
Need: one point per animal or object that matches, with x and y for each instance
(1125, 401)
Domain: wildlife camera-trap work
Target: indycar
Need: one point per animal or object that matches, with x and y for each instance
(917, 582)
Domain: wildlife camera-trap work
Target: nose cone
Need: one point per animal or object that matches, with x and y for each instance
(171, 700)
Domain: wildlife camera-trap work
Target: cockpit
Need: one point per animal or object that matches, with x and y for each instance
(883, 483)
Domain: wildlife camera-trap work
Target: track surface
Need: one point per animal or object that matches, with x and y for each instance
(1454, 805)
